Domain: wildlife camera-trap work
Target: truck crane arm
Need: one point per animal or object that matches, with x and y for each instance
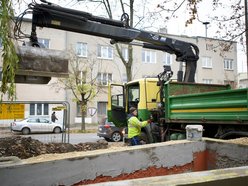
(53, 16)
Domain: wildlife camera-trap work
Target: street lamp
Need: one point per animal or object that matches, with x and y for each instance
(206, 27)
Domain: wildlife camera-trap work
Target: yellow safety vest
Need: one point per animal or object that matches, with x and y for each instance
(134, 126)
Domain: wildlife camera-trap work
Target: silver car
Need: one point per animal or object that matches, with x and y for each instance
(36, 125)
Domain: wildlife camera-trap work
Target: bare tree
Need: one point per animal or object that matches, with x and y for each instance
(228, 16)
(134, 20)
(82, 82)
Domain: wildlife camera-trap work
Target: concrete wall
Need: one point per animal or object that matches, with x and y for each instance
(224, 177)
(225, 155)
(166, 158)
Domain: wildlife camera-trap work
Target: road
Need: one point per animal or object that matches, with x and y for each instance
(74, 138)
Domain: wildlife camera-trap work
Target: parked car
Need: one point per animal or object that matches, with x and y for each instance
(109, 131)
(36, 125)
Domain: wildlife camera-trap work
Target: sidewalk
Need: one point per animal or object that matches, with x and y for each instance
(88, 126)
(5, 130)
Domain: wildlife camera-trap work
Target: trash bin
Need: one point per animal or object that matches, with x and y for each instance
(194, 132)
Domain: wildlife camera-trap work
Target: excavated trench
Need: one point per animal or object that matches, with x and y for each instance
(145, 163)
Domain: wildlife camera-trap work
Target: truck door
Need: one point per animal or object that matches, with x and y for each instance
(116, 105)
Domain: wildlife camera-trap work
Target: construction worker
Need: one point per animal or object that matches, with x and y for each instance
(134, 126)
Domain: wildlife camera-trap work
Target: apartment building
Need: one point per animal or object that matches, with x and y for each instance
(243, 80)
(213, 67)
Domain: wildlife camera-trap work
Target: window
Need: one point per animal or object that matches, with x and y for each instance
(207, 81)
(133, 95)
(45, 42)
(167, 60)
(104, 78)
(81, 49)
(1, 43)
(228, 64)
(117, 99)
(148, 56)
(32, 120)
(124, 52)
(32, 109)
(82, 77)
(105, 52)
(42, 120)
(102, 108)
(38, 109)
(46, 111)
(206, 62)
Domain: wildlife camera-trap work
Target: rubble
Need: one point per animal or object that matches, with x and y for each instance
(24, 148)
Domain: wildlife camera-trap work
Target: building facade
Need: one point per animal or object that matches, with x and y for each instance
(243, 80)
(215, 66)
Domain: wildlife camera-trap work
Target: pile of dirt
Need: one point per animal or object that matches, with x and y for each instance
(24, 148)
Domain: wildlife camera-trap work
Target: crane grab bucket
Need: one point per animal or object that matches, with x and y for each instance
(37, 65)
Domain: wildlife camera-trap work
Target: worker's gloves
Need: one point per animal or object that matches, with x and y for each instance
(149, 121)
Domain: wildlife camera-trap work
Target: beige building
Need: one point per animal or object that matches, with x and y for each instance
(243, 80)
(213, 67)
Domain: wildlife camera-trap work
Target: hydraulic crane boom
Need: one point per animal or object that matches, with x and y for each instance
(51, 16)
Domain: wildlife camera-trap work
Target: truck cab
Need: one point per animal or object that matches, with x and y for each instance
(141, 93)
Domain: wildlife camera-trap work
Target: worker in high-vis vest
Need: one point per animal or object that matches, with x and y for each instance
(134, 126)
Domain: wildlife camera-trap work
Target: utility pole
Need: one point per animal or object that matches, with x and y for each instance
(246, 33)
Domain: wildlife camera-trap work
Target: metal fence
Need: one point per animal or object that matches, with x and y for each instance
(43, 137)
(11, 112)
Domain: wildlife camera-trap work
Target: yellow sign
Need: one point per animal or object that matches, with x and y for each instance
(59, 108)
(12, 111)
(56, 109)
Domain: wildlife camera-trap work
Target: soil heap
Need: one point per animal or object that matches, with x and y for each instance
(24, 148)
